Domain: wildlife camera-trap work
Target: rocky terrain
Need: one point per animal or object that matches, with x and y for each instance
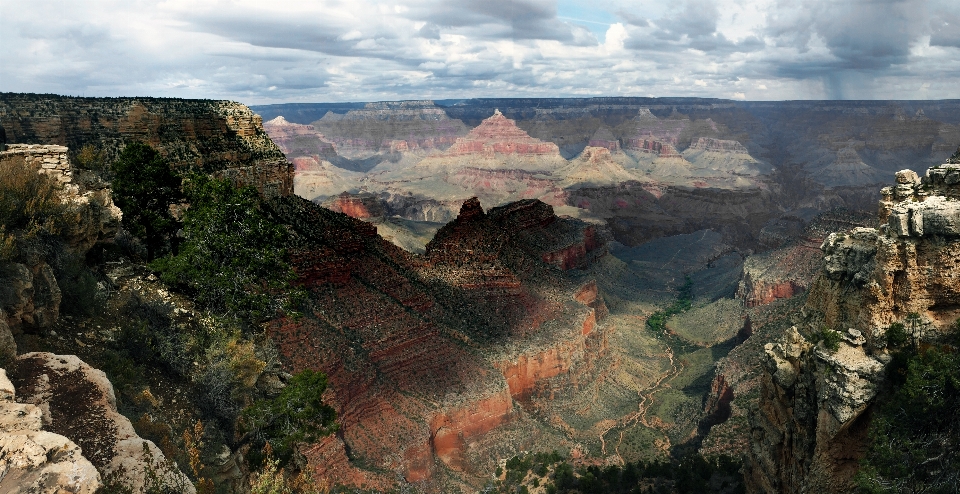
(775, 158)
(815, 402)
(613, 279)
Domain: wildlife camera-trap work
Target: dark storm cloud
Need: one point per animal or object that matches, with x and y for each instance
(945, 30)
(859, 34)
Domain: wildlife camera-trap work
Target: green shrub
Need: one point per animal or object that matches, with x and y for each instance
(830, 338)
(232, 260)
(897, 335)
(914, 438)
(298, 414)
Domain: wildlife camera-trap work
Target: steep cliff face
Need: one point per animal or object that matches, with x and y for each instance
(220, 137)
(815, 403)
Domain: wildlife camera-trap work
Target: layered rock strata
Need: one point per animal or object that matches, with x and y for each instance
(218, 137)
(500, 135)
(406, 341)
(810, 429)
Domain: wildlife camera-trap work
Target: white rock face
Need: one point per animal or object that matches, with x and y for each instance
(107, 437)
(37, 461)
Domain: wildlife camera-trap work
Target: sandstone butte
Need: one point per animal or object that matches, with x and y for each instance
(500, 135)
(811, 427)
(427, 355)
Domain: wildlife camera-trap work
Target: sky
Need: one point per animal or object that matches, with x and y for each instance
(261, 52)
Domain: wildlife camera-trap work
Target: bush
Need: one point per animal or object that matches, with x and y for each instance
(233, 257)
(144, 187)
(914, 438)
(298, 414)
(897, 335)
(830, 338)
(32, 215)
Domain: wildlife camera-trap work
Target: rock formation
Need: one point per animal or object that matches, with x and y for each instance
(814, 411)
(298, 140)
(410, 345)
(595, 167)
(500, 135)
(30, 295)
(35, 460)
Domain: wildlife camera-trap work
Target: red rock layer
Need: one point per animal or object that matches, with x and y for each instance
(500, 135)
(356, 206)
(396, 335)
(650, 145)
(452, 429)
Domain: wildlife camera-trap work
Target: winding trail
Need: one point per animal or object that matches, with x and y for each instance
(645, 396)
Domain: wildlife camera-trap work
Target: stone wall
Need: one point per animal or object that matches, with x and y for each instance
(49, 159)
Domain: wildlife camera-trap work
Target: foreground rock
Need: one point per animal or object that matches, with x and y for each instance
(34, 460)
(810, 431)
(77, 402)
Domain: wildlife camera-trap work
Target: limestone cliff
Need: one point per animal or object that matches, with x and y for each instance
(815, 403)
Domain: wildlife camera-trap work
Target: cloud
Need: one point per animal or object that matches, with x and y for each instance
(336, 50)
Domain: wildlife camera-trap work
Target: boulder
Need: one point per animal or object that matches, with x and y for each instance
(37, 461)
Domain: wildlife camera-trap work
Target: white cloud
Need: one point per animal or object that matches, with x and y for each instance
(332, 50)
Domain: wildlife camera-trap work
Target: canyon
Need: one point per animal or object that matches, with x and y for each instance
(478, 275)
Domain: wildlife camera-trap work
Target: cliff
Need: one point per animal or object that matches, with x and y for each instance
(815, 403)
(414, 346)
(219, 137)
(385, 127)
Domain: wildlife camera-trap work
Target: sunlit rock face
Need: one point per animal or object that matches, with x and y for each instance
(77, 402)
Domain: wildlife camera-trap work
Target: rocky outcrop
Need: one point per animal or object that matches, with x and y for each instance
(35, 460)
(30, 295)
(219, 137)
(298, 139)
(814, 411)
(78, 402)
(718, 145)
(809, 431)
